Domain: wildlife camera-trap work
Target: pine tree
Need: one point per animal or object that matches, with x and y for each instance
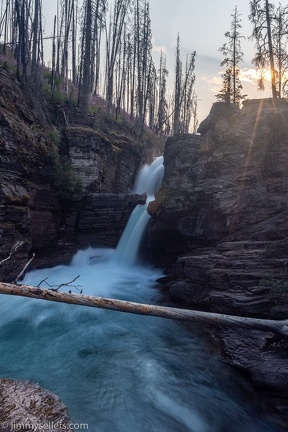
(231, 90)
(231, 87)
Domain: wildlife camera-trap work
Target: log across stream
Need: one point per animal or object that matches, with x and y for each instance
(120, 371)
(276, 326)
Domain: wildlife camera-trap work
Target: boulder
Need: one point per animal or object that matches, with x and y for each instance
(26, 406)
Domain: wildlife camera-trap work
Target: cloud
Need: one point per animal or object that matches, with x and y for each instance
(208, 60)
(249, 75)
(213, 82)
(158, 48)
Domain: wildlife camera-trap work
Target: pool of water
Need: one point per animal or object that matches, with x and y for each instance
(120, 372)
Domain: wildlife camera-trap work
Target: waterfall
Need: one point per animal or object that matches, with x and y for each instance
(148, 181)
(150, 177)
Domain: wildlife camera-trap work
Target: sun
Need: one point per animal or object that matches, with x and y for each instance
(266, 74)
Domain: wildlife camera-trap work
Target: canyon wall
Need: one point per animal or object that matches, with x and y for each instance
(221, 217)
(59, 185)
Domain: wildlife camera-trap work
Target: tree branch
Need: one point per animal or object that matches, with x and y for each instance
(24, 268)
(14, 248)
(57, 287)
(275, 326)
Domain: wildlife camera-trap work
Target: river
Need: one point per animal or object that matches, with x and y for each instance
(119, 372)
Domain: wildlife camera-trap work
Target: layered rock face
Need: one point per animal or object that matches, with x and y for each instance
(223, 210)
(25, 174)
(35, 217)
(225, 199)
(104, 165)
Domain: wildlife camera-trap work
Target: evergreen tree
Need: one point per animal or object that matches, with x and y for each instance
(231, 90)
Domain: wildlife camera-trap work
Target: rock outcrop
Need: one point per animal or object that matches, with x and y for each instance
(104, 165)
(26, 406)
(222, 215)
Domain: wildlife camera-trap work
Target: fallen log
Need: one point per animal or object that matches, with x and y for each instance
(276, 326)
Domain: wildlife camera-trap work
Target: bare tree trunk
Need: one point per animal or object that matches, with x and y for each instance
(53, 56)
(132, 91)
(271, 55)
(280, 326)
(177, 95)
(113, 44)
(85, 84)
(35, 40)
(234, 69)
(74, 36)
(6, 26)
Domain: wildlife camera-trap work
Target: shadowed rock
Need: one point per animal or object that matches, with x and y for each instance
(222, 217)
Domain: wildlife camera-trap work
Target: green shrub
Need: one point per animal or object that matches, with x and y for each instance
(66, 180)
(54, 135)
(278, 287)
(47, 74)
(59, 97)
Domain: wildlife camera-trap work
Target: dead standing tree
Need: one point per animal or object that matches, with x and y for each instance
(114, 34)
(85, 76)
(183, 92)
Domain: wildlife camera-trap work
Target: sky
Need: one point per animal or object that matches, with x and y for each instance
(201, 25)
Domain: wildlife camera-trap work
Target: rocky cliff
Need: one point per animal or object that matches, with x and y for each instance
(57, 183)
(222, 217)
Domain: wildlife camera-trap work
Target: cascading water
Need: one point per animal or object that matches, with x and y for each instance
(120, 372)
(150, 178)
(148, 181)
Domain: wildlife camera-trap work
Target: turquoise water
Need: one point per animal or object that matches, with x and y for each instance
(120, 372)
